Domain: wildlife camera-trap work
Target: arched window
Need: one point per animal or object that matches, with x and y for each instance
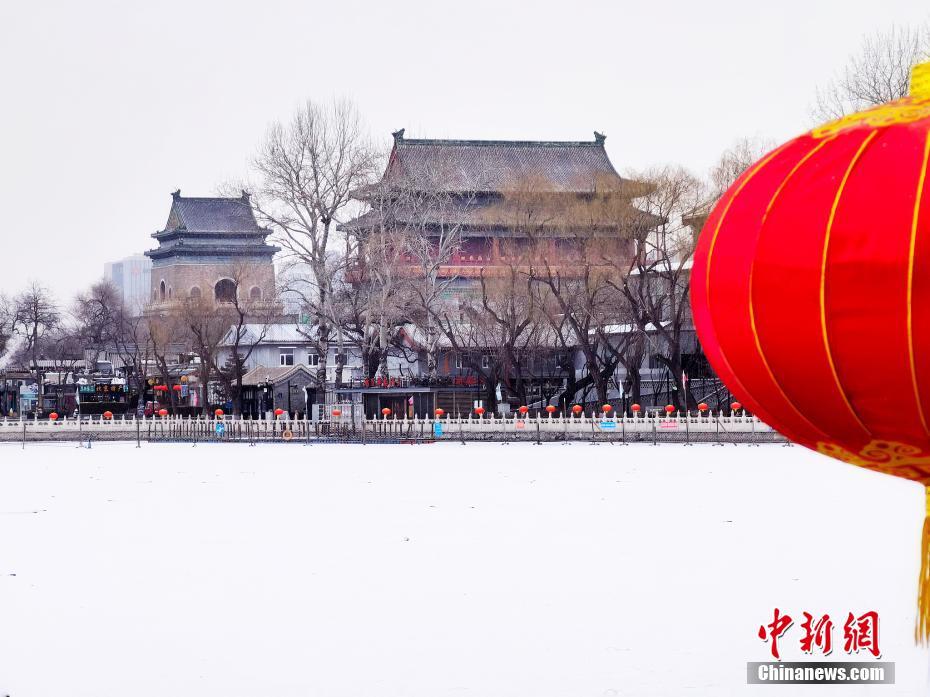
(170, 292)
(161, 287)
(225, 291)
(255, 293)
(195, 293)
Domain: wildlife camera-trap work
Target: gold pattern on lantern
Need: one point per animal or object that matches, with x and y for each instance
(885, 456)
(906, 110)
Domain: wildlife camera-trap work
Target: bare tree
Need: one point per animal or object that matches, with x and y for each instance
(6, 326)
(162, 331)
(308, 169)
(96, 313)
(879, 73)
(656, 284)
(35, 315)
(251, 320)
(734, 161)
(206, 323)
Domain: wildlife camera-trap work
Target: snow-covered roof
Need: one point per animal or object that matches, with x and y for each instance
(628, 328)
(275, 375)
(271, 334)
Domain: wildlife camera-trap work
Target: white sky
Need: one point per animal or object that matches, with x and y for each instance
(107, 108)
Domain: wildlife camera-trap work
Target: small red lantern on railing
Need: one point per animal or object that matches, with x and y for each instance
(736, 406)
(386, 412)
(160, 388)
(479, 411)
(108, 415)
(577, 409)
(337, 412)
(702, 406)
(523, 410)
(635, 408)
(606, 408)
(440, 412)
(669, 408)
(279, 412)
(53, 416)
(163, 412)
(218, 413)
(176, 388)
(551, 409)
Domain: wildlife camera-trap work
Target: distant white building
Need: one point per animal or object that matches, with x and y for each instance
(132, 276)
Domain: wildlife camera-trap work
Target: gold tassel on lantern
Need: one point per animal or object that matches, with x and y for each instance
(922, 632)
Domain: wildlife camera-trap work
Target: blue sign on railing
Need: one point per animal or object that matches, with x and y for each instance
(437, 428)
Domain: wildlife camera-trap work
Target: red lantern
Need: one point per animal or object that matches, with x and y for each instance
(635, 408)
(550, 409)
(606, 408)
(177, 388)
(577, 409)
(279, 412)
(669, 408)
(386, 411)
(218, 413)
(702, 406)
(163, 412)
(108, 415)
(815, 247)
(523, 410)
(337, 412)
(479, 410)
(53, 416)
(440, 412)
(736, 406)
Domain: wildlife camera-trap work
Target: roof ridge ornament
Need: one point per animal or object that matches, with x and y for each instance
(398, 135)
(599, 138)
(176, 194)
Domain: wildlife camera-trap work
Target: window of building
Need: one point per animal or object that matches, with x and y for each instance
(485, 361)
(287, 356)
(162, 289)
(255, 293)
(225, 291)
(313, 360)
(459, 361)
(170, 292)
(195, 293)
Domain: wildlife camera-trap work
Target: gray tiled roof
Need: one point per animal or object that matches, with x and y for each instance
(202, 214)
(498, 165)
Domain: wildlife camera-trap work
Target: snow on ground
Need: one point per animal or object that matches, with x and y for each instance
(437, 570)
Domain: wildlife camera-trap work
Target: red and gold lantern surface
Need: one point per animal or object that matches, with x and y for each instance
(811, 288)
(810, 292)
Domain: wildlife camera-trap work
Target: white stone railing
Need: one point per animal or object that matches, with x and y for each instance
(654, 426)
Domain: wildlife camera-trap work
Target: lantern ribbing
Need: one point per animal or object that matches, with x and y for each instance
(920, 81)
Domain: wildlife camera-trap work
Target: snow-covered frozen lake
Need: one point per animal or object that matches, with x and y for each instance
(439, 570)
